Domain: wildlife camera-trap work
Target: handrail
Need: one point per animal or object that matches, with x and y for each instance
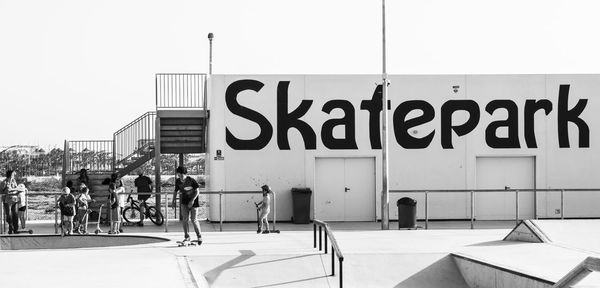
(180, 90)
(587, 266)
(166, 204)
(334, 246)
(507, 189)
(130, 140)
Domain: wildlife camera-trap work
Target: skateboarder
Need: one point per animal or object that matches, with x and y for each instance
(188, 190)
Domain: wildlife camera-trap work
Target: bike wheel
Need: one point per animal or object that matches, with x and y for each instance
(131, 215)
(155, 216)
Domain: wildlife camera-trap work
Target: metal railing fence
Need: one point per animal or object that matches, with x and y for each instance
(334, 246)
(473, 192)
(180, 90)
(93, 155)
(222, 194)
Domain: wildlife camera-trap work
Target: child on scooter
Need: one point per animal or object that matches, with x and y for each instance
(265, 208)
(83, 200)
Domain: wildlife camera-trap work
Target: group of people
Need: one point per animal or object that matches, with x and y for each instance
(13, 198)
(74, 203)
(74, 208)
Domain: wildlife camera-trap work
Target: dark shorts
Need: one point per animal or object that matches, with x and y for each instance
(68, 211)
(23, 208)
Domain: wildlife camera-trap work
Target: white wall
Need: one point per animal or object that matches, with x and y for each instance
(429, 168)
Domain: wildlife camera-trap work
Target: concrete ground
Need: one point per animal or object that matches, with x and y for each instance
(238, 257)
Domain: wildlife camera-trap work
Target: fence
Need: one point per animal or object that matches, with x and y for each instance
(475, 191)
(134, 139)
(55, 195)
(334, 246)
(181, 90)
(93, 155)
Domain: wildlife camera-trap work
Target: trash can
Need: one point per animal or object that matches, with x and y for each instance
(301, 205)
(407, 213)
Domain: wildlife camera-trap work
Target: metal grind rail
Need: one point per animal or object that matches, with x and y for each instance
(222, 194)
(516, 192)
(334, 246)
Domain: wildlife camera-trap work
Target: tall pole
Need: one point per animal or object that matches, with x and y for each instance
(385, 190)
(210, 38)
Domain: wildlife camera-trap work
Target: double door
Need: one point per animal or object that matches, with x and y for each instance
(345, 189)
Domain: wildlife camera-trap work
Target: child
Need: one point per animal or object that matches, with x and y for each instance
(66, 203)
(114, 210)
(83, 209)
(265, 208)
(22, 205)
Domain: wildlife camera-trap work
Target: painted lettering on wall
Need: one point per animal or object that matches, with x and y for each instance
(291, 118)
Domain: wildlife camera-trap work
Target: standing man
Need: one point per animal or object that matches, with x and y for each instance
(188, 190)
(9, 192)
(144, 186)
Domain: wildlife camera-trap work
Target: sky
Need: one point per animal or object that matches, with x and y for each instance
(81, 70)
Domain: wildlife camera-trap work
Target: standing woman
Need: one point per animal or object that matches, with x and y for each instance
(9, 192)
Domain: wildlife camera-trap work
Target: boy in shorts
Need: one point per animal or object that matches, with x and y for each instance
(66, 203)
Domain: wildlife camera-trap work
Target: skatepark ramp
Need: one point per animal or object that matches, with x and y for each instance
(26, 242)
(536, 253)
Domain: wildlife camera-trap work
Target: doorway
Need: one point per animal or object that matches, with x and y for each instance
(345, 189)
(505, 173)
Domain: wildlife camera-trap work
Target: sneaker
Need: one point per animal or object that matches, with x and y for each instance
(199, 239)
(258, 231)
(10, 232)
(265, 232)
(187, 239)
(111, 232)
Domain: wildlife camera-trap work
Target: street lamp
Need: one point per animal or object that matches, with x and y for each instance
(210, 38)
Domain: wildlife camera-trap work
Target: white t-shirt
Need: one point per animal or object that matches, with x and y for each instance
(120, 196)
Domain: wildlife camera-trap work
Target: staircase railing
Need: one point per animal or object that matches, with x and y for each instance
(134, 139)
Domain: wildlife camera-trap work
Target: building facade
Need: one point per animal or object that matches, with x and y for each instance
(455, 132)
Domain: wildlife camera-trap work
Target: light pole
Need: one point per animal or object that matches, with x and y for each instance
(385, 190)
(210, 38)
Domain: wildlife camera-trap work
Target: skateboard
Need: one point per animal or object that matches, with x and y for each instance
(30, 231)
(189, 243)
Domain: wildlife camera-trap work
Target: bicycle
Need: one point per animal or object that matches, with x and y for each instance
(132, 213)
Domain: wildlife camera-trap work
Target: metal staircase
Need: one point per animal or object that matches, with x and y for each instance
(182, 116)
(134, 144)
